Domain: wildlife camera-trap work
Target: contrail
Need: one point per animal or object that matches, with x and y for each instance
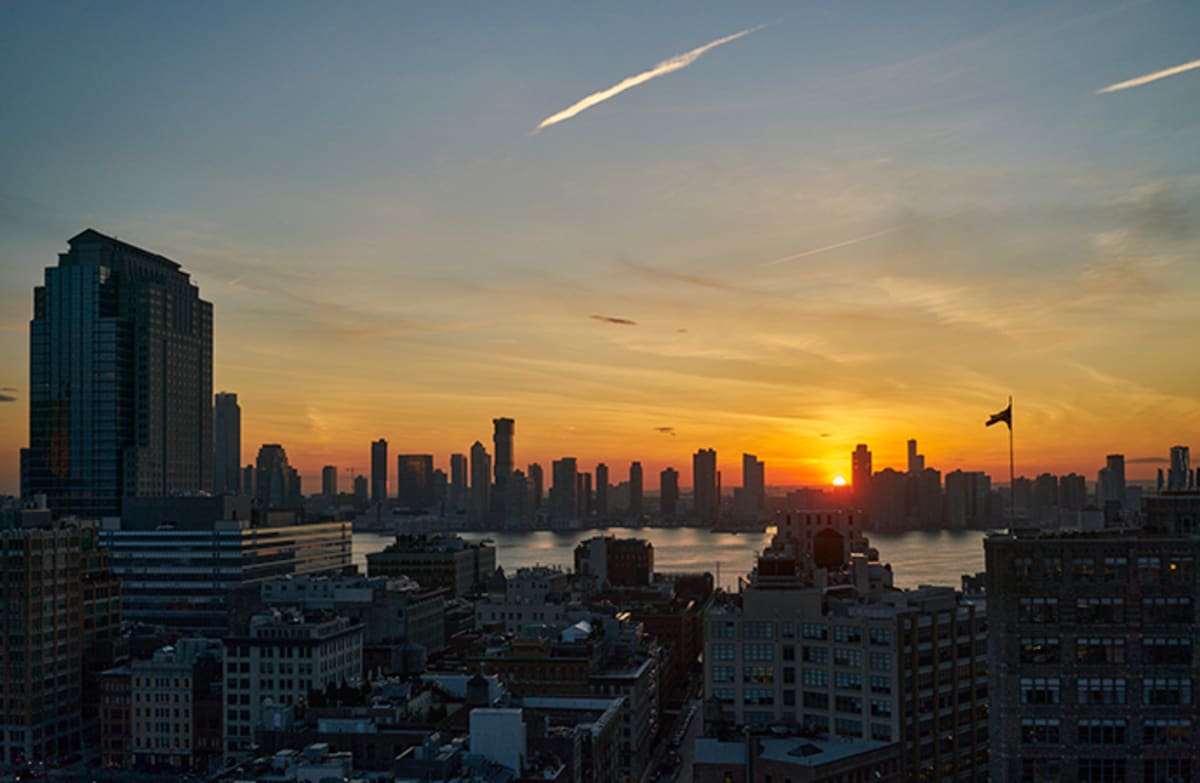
(1150, 77)
(835, 246)
(676, 63)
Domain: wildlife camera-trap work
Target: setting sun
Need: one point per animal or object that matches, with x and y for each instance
(838, 481)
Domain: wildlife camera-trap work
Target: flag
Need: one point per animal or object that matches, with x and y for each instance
(1003, 416)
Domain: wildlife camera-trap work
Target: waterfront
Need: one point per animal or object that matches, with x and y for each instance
(918, 557)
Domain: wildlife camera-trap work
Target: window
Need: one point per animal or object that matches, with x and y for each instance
(1101, 771)
(847, 633)
(1100, 610)
(814, 631)
(722, 630)
(816, 722)
(787, 630)
(848, 680)
(1039, 770)
(880, 662)
(1037, 610)
(881, 708)
(1168, 770)
(815, 654)
(1101, 732)
(1114, 569)
(1039, 731)
(818, 677)
(722, 674)
(846, 727)
(1099, 650)
(1167, 691)
(758, 630)
(758, 674)
(1040, 690)
(847, 657)
(722, 652)
(1168, 610)
(758, 696)
(816, 701)
(789, 652)
(758, 652)
(1083, 570)
(1052, 569)
(1167, 650)
(881, 732)
(1149, 570)
(881, 684)
(723, 694)
(1023, 568)
(1179, 571)
(880, 637)
(789, 675)
(789, 698)
(1040, 649)
(848, 704)
(1167, 731)
(1101, 690)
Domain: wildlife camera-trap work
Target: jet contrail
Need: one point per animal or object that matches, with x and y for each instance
(834, 246)
(1150, 77)
(676, 63)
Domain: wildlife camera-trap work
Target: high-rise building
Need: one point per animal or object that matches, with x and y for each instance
(537, 483)
(227, 444)
(414, 481)
(754, 482)
(278, 483)
(705, 501)
(668, 493)
(1179, 476)
(120, 365)
(458, 482)
(502, 440)
(361, 491)
(966, 499)
(329, 481)
(602, 490)
(480, 503)
(860, 474)
(249, 480)
(1092, 650)
(1110, 484)
(635, 490)
(379, 471)
(564, 502)
(916, 462)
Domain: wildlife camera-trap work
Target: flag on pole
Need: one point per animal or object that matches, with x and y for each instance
(1003, 416)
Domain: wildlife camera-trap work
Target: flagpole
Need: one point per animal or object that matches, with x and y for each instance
(1012, 482)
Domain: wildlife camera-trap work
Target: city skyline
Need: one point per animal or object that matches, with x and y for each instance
(781, 246)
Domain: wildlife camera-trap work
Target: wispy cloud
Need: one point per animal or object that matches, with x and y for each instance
(7, 398)
(676, 63)
(612, 319)
(665, 430)
(1150, 77)
(827, 248)
(1146, 460)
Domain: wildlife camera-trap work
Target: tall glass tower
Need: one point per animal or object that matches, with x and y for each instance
(120, 379)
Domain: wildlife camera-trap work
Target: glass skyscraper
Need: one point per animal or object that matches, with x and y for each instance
(120, 367)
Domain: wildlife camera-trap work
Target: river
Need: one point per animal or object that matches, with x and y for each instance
(917, 558)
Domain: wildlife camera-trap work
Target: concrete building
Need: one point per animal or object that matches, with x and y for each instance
(277, 484)
(329, 482)
(602, 490)
(539, 595)
(820, 640)
(163, 694)
(414, 481)
(608, 561)
(503, 431)
(668, 493)
(446, 562)
(706, 500)
(480, 502)
(120, 392)
(227, 444)
(750, 500)
(379, 471)
(564, 500)
(636, 490)
(860, 474)
(1093, 650)
(285, 656)
(1179, 476)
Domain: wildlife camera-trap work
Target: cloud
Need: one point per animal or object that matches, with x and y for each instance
(676, 63)
(1147, 461)
(827, 248)
(7, 398)
(1150, 77)
(610, 319)
(8, 388)
(666, 430)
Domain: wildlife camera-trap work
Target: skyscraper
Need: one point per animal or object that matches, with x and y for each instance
(916, 462)
(602, 489)
(754, 482)
(120, 365)
(537, 483)
(329, 481)
(635, 490)
(278, 483)
(668, 493)
(564, 503)
(414, 481)
(1179, 476)
(458, 482)
(1110, 483)
(502, 439)
(227, 444)
(480, 501)
(704, 486)
(860, 474)
(379, 468)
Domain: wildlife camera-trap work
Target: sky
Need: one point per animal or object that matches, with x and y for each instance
(775, 228)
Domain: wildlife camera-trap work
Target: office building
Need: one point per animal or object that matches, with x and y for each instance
(457, 498)
(278, 483)
(668, 493)
(503, 465)
(379, 471)
(329, 481)
(361, 491)
(1093, 650)
(1179, 476)
(1110, 482)
(179, 558)
(414, 481)
(249, 480)
(705, 498)
(120, 395)
(754, 483)
(446, 562)
(564, 502)
(537, 483)
(821, 640)
(860, 474)
(282, 658)
(480, 501)
(916, 462)
(966, 499)
(164, 693)
(636, 488)
(602, 490)
(227, 444)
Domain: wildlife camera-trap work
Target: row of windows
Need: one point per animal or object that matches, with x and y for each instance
(1106, 690)
(1107, 770)
(1149, 569)
(1115, 731)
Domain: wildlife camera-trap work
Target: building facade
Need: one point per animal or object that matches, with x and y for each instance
(227, 444)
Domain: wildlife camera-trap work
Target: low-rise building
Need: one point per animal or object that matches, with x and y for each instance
(447, 562)
(164, 691)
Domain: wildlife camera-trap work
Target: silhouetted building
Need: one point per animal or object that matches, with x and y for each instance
(916, 462)
(227, 444)
(379, 471)
(249, 480)
(361, 491)
(457, 498)
(414, 481)
(888, 500)
(751, 499)
(668, 493)
(602, 489)
(564, 504)
(1179, 477)
(448, 562)
(502, 438)
(278, 483)
(537, 483)
(329, 481)
(636, 488)
(1110, 483)
(706, 501)
(860, 474)
(967, 499)
(1072, 492)
(481, 487)
(120, 386)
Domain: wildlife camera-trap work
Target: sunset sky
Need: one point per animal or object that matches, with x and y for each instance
(848, 222)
